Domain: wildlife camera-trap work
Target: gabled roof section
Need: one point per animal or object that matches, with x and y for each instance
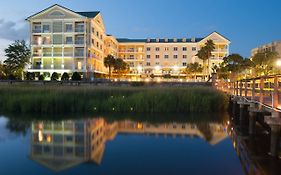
(215, 32)
(92, 14)
(89, 14)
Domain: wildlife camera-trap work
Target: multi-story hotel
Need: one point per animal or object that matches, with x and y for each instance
(66, 41)
(273, 47)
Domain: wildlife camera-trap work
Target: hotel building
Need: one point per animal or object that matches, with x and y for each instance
(273, 47)
(63, 40)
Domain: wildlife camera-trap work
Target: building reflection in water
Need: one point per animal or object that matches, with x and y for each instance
(64, 144)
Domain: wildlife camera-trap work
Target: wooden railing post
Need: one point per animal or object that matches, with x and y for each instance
(240, 88)
(246, 88)
(275, 93)
(237, 88)
(261, 91)
(253, 90)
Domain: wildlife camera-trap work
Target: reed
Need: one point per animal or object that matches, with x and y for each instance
(72, 99)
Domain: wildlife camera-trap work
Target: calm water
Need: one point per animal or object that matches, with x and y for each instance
(108, 147)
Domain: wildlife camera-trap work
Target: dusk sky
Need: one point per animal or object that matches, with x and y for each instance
(247, 23)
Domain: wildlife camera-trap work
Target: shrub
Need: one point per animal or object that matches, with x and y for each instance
(30, 76)
(65, 77)
(55, 76)
(76, 76)
(41, 77)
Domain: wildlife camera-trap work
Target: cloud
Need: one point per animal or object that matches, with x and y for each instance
(10, 30)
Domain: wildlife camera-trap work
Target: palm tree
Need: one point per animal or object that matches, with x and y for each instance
(194, 68)
(210, 47)
(109, 63)
(120, 66)
(205, 53)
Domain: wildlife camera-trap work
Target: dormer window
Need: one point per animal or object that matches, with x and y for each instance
(166, 40)
(193, 40)
(184, 40)
(157, 40)
(148, 40)
(175, 40)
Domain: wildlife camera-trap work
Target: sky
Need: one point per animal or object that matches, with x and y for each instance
(247, 23)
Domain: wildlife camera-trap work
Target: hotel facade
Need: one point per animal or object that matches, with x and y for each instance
(63, 40)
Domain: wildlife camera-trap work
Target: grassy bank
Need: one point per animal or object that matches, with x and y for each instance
(64, 99)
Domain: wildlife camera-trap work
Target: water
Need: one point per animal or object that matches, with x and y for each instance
(197, 145)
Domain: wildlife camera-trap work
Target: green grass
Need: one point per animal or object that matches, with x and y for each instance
(70, 99)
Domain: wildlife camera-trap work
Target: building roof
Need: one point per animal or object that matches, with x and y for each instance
(180, 40)
(89, 14)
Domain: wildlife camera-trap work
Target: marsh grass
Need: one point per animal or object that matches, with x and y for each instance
(71, 99)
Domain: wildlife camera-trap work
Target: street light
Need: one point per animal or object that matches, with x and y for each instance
(157, 68)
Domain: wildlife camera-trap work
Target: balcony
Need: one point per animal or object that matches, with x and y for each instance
(47, 54)
(79, 54)
(68, 54)
(79, 42)
(79, 29)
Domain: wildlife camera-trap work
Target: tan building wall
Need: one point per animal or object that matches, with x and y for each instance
(273, 46)
(66, 41)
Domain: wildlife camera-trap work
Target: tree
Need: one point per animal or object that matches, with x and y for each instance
(205, 54)
(76, 76)
(264, 62)
(109, 63)
(120, 66)
(65, 77)
(194, 68)
(3, 72)
(55, 76)
(18, 55)
(233, 65)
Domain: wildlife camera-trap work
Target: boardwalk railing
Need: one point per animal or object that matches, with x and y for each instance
(264, 90)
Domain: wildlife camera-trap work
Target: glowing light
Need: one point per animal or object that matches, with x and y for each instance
(49, 138)
(40, 135)
(115, 79)
(181, 80)
(158, 80)
(147, 80)
(278, 63)
(132, 109)
(228, 122)
(157, 68)
(139, 68)
(176, 68)
(113, 109)
(95, 108)
(139, 126)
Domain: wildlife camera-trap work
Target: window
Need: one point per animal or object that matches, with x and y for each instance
(46, 28)
(131, 56)
(93, 41)
(93, 30)
(68, 40)
(57, 39)
(157, 49)
(68, 28)
(148, 49)
(184, 49)
(37, 28)
(166, 48)
(79, 39)
(166, 56)
(184, 56)
(57, 27)
(184, 64)
(175, 49)
(175, 56)
(148, 56)
(157, 56)
(98, 33)
(193, 48)
(79, 27)
(148, 63)
(157, 63)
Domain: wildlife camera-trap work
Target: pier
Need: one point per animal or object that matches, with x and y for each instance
(257, 100)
